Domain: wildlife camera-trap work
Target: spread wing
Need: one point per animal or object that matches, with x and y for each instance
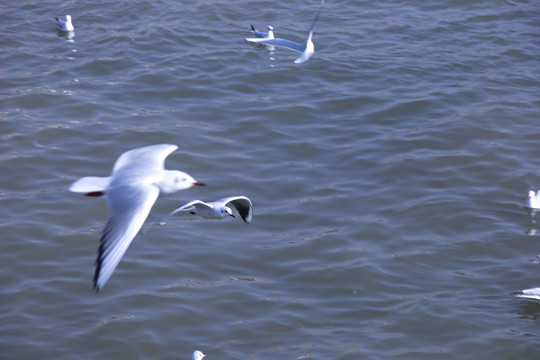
(243, 205)
(129, 206)
(316, 17)
(280, 42)
(144, 159)
(189, 205)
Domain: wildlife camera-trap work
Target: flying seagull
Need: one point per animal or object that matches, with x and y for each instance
(307, 48)
(137, 179)
(218, 209)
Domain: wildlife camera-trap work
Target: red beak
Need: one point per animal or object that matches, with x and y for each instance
(233, 215)
(198, 183)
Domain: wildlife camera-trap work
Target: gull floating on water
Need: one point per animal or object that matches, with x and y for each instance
(529, 294)
(197, 355)
(218, 209)
(137, 179)
(262, 34)
(307, 48)
(533, 200)
(65, 25)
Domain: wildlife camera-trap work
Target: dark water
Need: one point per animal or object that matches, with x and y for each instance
(388, 175)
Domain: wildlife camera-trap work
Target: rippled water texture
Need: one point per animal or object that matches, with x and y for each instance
(388, 176)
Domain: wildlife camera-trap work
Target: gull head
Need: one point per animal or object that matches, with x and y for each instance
(197, 355)
(175, 180)
(226, 211)
(532, 201)
(270, 33)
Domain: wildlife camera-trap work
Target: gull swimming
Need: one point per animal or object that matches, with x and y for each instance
(307, 48)
(65, 25)
(262, 34)
(529, 294)
(533, 200)
(197, 355)
(218, 209)
(137, 179)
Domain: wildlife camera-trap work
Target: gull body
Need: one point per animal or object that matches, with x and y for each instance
(533, 200)
(137, 179)
(218, 209)
(64, 25)
(197, 355)
(262, 34)
(307, 48)
(529, 294)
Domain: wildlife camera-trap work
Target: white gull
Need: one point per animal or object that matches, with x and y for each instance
(307, 48)
(529, 294)
(533, 200)
(137, 179)
(197, 355)
(262, 34)
(65, 25)
(218, 209)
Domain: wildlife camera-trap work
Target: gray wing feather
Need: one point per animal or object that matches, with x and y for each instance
(316, 17)
(258, 33)
(282, 42)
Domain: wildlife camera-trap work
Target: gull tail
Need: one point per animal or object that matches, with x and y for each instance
(91, 185)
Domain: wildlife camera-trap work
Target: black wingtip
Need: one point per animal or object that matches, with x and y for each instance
(94, 281)
(56, 18)
(99, 261)
(252, 28)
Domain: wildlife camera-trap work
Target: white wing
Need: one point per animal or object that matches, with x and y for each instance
(242, 204)
(280, 42)
(144, 160)
(129, 206)
(187, 206)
